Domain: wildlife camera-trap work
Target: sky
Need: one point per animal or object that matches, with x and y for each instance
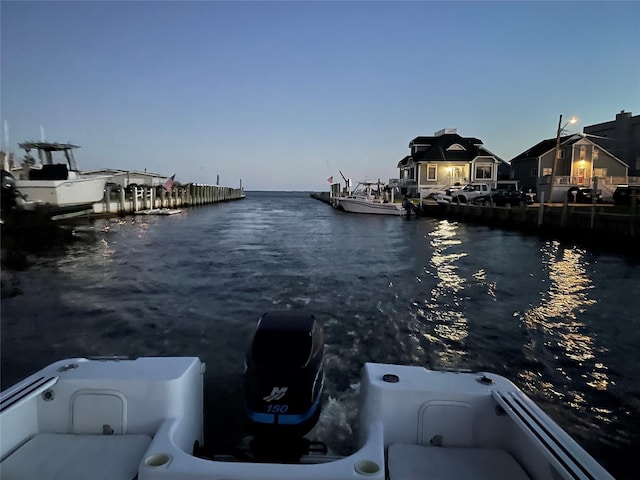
(284, 95)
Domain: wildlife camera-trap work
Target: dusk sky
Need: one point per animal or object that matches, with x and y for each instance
(284, 95)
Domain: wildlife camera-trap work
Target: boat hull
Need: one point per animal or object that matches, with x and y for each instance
(355, 205)
(63, 193)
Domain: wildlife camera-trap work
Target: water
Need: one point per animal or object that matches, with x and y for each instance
(559, 321)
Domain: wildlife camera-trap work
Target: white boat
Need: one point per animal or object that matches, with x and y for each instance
(56, 181)
(367, 200)
(159, 211)
(120, 419)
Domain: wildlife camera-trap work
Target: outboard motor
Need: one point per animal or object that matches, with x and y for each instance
(284, 377)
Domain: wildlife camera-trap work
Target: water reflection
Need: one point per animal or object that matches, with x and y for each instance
(564, 336)
(447, 331)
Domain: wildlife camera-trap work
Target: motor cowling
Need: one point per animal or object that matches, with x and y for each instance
(284, 375)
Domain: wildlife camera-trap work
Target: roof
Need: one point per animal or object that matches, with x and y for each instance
(405, 161)
(437, 148)
(433, 139)
(47, 146)
(546, 146)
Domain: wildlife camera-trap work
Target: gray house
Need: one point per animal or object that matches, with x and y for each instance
(581, 163)
(621, 137)
(446, 159)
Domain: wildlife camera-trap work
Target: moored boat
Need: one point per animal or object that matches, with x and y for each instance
(366, 199)
(56, 181)
(121, 418)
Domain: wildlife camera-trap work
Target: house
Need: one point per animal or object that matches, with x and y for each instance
(446, 159)
(581, 162)
(620, 137)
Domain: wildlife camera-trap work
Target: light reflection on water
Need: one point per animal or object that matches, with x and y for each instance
(448, 328)
(556, 330)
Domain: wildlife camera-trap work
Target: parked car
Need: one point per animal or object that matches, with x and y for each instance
(583, 195)
(624, 194)
(502, 198)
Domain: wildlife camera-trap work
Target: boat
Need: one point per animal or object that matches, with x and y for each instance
(56, 181)
(21, 215)
(366, 199)
(159, 211)
(123, 418)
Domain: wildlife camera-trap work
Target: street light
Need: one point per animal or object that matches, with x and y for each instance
(557, 151)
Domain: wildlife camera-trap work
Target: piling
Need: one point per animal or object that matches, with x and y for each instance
(135, 198)
(600, 225)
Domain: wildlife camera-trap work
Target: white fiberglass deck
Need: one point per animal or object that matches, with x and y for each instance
(126, 419)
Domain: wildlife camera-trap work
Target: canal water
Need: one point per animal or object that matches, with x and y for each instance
(558, 320)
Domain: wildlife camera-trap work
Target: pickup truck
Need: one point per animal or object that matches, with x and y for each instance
(466, 194)
(506, 193)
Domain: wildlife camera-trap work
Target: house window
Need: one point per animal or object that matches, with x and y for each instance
(534, 172)
(547, 171)
(583, 152)
(484, 171)
(456, 146)
(600, 172)
(561, 154)
(431, 172)
(595, 153)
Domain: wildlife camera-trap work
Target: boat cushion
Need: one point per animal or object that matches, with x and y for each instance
(55, 456)
(413, 462)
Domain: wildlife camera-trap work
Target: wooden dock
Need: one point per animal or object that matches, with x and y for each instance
(602, 226)
(121, 201)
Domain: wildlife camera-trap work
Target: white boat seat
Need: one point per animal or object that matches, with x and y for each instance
(56, 456)
(417, 462)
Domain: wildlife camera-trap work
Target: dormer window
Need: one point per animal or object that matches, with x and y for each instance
(456, 146)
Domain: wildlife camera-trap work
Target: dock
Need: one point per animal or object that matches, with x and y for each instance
(603, 226)
(138, 198)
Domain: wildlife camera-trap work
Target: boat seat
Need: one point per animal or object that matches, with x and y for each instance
(413, 462)
(55, 456)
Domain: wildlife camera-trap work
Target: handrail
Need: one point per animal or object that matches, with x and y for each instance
(22, 391)
(568, 458)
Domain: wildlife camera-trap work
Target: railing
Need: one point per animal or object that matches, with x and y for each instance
(567, 457)
(586, 181)
(397, 182)
(26, 390)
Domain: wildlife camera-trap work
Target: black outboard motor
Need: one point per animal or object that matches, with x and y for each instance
(284, 376)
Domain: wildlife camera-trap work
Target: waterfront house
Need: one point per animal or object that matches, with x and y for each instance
(620, 137)
(446, 159)
(581, 162)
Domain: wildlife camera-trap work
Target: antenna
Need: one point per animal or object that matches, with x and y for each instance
(42, 133)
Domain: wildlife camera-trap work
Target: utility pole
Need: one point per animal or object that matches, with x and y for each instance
(556, 154)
